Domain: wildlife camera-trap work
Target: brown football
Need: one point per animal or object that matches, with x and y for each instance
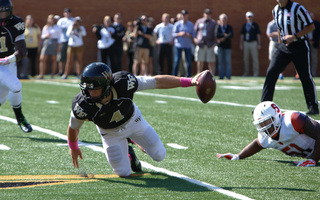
(206, 87)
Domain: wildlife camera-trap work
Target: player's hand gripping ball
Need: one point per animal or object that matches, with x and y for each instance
(206, 86)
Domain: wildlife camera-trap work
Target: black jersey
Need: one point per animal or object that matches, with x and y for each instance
(114, 113)
(8, 34)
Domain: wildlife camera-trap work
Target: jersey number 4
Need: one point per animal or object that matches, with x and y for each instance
(117, 116)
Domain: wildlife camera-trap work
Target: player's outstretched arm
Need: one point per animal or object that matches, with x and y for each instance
(168, 81)
(74, 149)
(248, 151)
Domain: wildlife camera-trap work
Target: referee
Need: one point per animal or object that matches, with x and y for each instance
(294, 23)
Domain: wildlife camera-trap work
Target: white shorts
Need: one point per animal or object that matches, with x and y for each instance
(8, 81)
(116, 147)
(204, 54)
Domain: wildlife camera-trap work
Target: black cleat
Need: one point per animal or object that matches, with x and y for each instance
(24, 124)
(135, 163)
(313, 111)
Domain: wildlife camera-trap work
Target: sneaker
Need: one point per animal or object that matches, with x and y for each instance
(135, 163)
(24, 124)
(313, 111)
(64, 77)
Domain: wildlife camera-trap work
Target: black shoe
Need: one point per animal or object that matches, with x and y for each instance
(24, 124)
(135, 163)
(313, 111)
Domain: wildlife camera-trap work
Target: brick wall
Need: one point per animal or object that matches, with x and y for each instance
(93, 11)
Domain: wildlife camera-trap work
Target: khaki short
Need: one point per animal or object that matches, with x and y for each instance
(204, 54)
(75, 50)
(141, 55)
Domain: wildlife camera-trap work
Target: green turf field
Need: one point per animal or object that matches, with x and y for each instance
(38, 165)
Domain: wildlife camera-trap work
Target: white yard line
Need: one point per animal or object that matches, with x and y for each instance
(144, 164)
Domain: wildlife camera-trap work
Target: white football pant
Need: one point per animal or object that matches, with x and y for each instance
(116, 146)
(10, 85)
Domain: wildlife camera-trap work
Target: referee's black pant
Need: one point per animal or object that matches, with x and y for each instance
(299, 53)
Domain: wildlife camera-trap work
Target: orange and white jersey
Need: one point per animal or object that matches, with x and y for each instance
(292, 141)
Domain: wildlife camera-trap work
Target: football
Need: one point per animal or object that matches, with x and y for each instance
(206, 87)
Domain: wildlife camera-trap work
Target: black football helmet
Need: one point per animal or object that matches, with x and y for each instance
(95, 76)
(5, 11)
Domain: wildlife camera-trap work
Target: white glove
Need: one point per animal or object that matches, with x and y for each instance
(229, 156)
(8, 60)
(306, 163)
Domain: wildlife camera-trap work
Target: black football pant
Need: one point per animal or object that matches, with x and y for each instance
(299, 54)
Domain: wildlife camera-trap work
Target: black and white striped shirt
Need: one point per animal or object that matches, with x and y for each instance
(291, 19)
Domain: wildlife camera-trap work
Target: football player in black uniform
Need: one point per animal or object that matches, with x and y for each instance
(106, 100)
(12, 49)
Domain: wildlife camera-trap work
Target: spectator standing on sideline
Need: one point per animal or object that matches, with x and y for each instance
(129, 45)
(12, 34)
(164, 41)
(75, 33)
(64, 23)
(120, 31)
(152, 42)
(143, 34)
(314, 45)
(50, 36)
(205, 28)
(292, 31)
(224, 33)
(183, 32)
(105, 40)
(33, 41)
(272, 33)
(250, 44)
(182, 63)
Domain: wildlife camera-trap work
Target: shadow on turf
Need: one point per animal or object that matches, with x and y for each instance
(288, 162)
(39, 139)
(153, 181)
(269, 188)
(47, 140)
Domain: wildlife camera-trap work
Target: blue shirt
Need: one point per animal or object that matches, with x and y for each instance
(164, 33)
(183, 42)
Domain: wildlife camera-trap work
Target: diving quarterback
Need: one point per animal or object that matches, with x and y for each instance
(293, 133)
(106, 100)
(12, 49)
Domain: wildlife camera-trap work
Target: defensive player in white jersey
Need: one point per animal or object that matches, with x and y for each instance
(12, 49)
(106, 100)
(293, 133)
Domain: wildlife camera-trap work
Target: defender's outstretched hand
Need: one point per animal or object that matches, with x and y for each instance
(229, 156)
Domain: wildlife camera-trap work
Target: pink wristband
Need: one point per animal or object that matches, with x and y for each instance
(73, 145)
(185, 82)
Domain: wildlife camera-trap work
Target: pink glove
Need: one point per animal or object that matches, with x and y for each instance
(229, 156)
(8, 60)
(306, 163)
